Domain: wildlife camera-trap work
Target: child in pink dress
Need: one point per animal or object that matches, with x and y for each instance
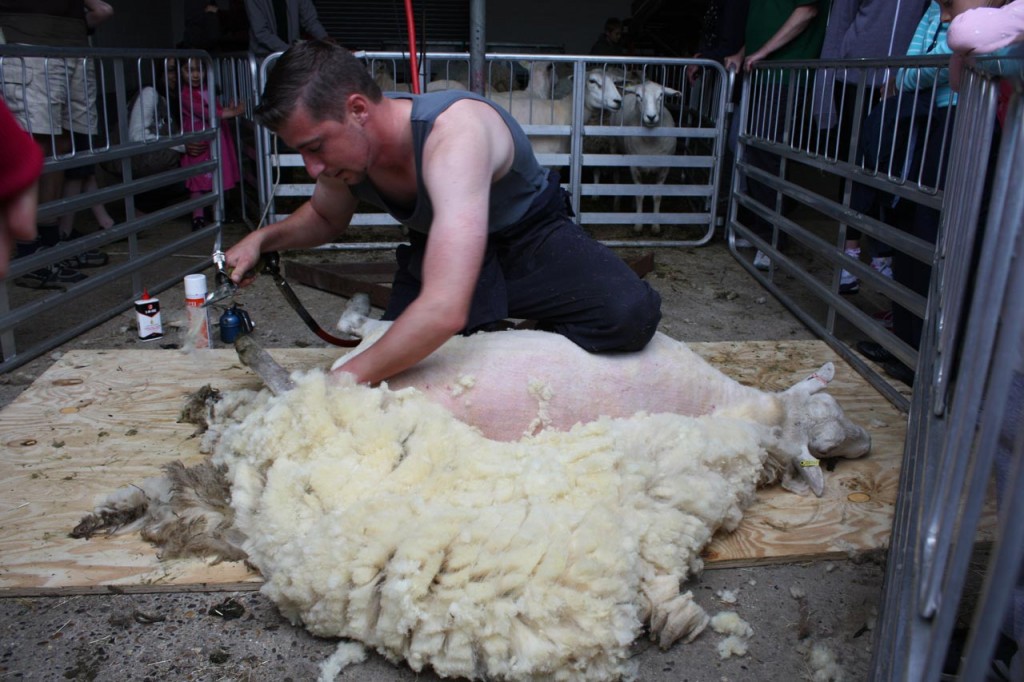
(196, 116)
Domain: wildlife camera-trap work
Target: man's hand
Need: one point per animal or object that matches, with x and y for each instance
(241, 258)
(232, 110)
(753, 58)
(692, 70)
(17, 221)
(734, 62)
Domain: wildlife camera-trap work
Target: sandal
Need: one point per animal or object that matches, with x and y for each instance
(51, 277)
(93, 258)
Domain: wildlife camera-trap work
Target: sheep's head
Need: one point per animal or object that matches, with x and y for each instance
(384, 74)
(651, 101)
(600, 92)
(543, 78)
(814, 427)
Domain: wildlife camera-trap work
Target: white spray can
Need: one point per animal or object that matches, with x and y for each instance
(147, 315)
(198, 316)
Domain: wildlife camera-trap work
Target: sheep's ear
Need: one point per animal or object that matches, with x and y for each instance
(803, 474)
(815, 382)
(671, 91)
(630, 90)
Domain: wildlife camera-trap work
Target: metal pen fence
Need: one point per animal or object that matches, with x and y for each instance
(152, 245)
(825, 158)
(666, 187)
(815, 139)
(966, 430)
(238, 80)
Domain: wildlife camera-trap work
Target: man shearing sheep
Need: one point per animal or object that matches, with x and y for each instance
(490, 229)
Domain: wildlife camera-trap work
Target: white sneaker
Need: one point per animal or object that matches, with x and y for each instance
(742, 243)
(848, 284)
(761, 261)
(883, 266)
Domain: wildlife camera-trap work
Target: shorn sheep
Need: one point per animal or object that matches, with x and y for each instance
(383, 76)
(377, 516)
(535, 107)
(644, 106)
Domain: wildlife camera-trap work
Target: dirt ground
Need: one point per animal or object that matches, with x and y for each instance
(180, 636)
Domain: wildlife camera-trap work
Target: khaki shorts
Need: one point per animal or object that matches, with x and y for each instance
(49, 95)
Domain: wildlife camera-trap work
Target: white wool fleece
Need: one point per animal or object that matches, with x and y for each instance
(376, 516)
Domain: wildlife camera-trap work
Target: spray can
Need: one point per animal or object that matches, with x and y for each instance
(195, 311)
(147, 315)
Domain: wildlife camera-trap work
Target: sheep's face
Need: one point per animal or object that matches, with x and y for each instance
(813, 426)
(830, 433)
(650, 101)
(601, 92)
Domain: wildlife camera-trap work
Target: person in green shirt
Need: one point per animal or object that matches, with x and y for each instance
(776, 30)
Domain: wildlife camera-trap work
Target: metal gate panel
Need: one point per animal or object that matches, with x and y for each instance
(696, 118)
(788, 152)
(967, 420)
(152, 251)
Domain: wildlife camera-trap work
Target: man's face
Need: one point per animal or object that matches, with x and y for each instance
(336, 149)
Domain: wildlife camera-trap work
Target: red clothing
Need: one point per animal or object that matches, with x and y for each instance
(21, 160)
(195, 117)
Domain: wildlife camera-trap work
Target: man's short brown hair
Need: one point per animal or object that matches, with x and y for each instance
(320, 76)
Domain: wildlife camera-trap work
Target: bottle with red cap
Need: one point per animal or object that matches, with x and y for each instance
(197, 312)
(147, 314)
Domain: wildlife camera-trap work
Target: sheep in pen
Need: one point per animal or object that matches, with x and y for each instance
(511, 508)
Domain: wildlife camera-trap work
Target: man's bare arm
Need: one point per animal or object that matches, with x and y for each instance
(319, 220)
(464, 152)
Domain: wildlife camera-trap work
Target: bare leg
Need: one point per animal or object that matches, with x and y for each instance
(99, 211)
(72, 188)
(51, 184)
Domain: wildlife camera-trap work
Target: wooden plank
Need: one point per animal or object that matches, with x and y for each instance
(97, 420)
(642, 265)
(855, 513)
(345, 279)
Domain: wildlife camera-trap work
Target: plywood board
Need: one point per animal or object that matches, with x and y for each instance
(97, 420)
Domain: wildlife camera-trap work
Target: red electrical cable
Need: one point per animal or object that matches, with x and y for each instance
(411, 24)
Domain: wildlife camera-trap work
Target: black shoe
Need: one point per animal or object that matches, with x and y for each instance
(51, 277)
(38, 279)
(198, 223)
(875, 351)
(898, 371)
(850, 288)
(64, 272)
(93, 258)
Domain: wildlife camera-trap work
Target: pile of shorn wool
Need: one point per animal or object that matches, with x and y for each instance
(377, 517)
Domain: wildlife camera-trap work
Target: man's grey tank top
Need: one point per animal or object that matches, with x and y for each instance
(511, 196)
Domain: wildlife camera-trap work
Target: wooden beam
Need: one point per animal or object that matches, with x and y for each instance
(346, 279)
